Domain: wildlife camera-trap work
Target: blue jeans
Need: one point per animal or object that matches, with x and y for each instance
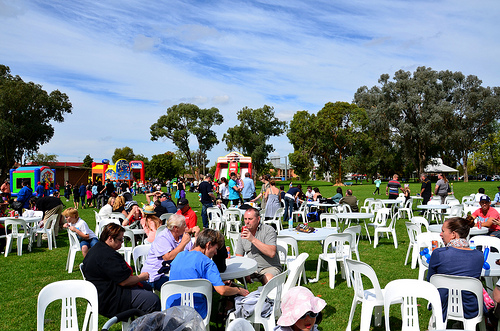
(204, 215)
(289, 203)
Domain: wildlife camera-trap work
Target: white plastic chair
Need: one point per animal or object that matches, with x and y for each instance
(275, 285)
(490, 242)
(372, 300)
(97, 220)
(295, 268)
(336, 249)
(329, 219)
(380, 220)
(215, 220)
(240, 324)
(455, 310)
(420, 221)
(413, 231)
(366, 205)
(49, 230)
(406, 209)
(233, 220)
(127, 250)
(18, 231)
(406, 292)
(67, 291)
(391, 228)
(160, 229)
(164, 217)
(186, 289)
(139, 255)
(276, 220)
(356, 232)
(233, 239)
(424, 240)
(74, 246)
(302, 212)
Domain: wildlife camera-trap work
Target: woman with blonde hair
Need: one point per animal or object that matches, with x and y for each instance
(119, 206)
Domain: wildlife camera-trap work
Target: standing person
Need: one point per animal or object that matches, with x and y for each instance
(76, 195)
(95, 193)
(265, 185)
(234, 190)
(5, 189)
(393, 187)
(426, 188)
(83, 194)
(67, 190)
(258, 242)
(207, 197)
(377, 186)
(273, 198)
(24, 195)
(248, 191)
(181, 188)
(290, 198)
(40, 190)
(50, 205)
(442, 187)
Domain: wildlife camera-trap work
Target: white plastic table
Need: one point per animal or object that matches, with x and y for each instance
(353, 216)
(238, 267)
(473, 231)
(28, 220)
(319, 234)
(433, 209)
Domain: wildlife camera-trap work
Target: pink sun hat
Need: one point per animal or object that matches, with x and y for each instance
(297, 302)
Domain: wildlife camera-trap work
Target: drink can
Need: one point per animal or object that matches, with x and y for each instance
(479, 224)
(434, 244)
(243, 228)
(228, 252)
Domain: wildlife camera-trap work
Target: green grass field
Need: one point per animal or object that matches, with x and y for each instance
(22, 277)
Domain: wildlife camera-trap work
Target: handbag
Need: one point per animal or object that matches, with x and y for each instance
(177, 194)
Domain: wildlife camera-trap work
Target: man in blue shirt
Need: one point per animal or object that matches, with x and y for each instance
(40, 190)
(168, 204)
(198, 264)
(496, 201)
(248, 188)
(290, 198)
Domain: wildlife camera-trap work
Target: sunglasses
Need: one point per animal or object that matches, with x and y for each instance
(310, 314)
(120, 239)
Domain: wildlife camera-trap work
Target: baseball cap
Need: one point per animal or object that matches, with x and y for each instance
(182, 202)
(485, 198)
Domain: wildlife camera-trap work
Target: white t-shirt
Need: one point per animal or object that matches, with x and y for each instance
(82, 226)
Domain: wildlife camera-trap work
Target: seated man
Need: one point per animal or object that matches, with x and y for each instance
(191, 218)
(351, 200)
(258, 241)
(116, 285)
(487, 216)
(168, 204)
(197, 264)
(165, 247)
(479, 194)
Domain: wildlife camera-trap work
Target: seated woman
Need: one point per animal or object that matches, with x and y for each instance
(487, 216)
(119, 205)
(300, 310)
(317, 195)
(457, 259)
(134, 215)
(117, 287)
(336, 198)
(150, 223)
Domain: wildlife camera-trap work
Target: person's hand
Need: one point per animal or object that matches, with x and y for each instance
(246, 234)
(144, 276)
(66, 225)
(196, 230)
(186, 238)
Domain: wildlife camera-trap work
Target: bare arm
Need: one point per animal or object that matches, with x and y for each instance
(229, 291)
(186, 238)
(133, 280)
(496, 294)
(267, 250)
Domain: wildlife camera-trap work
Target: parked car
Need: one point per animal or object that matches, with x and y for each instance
(495, 177)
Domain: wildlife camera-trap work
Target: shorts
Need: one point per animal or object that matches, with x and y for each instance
(90, 243)
(76, 199)
(259, 275)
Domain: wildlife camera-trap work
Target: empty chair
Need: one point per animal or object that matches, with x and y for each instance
(384, 228)
(233, 239)
(296, 215)
(336, 249)
(413, 231)
(329, 220)
(275, 285)
(356, 232)
(380, 220)
(67, 291)
(187, 289)
(407, 209)
(455, 211)
(420, 221)
(127, 250)
(276, 220)
(139, 255)
(49, 231)
(365, 208)
(295, 267)
(74, 246)
(232, 218)
(455, 306)
(215, 220)
(406, 292)
(372, 300)
(16, 229)
(424, 240)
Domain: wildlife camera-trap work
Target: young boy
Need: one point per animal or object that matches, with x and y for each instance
(86, 236)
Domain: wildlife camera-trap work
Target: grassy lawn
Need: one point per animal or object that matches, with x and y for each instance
(24, 276)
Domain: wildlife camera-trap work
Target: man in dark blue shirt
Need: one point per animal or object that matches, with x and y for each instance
(290, 198)
(207, 195)
(168, 204)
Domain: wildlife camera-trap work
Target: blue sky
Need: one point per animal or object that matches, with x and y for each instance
(123, 63)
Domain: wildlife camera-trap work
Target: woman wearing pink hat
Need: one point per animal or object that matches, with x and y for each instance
(300, 310)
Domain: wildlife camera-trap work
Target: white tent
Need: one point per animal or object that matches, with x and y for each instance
(436, 165)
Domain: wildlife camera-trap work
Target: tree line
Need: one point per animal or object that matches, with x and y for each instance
(399, 125)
